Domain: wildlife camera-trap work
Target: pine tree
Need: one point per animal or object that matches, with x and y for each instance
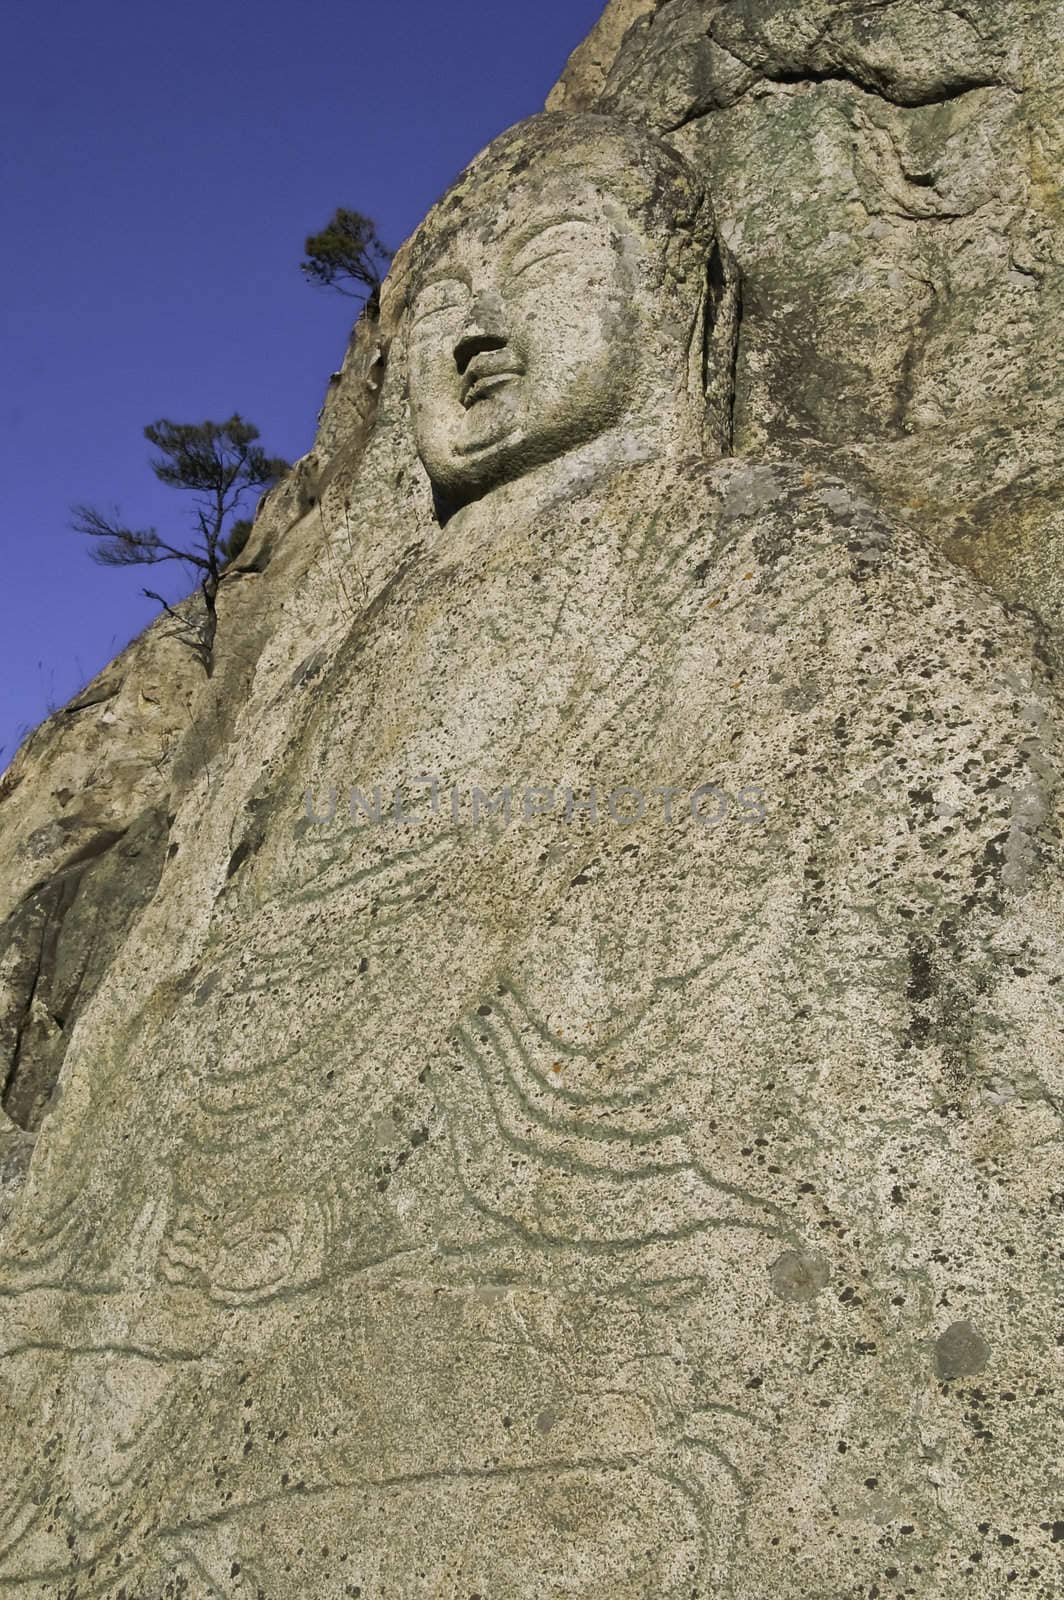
(347, 251)
(218, 463)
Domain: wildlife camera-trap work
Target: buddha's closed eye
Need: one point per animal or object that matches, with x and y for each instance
(439, 299)
(567, 237)
(537, 261)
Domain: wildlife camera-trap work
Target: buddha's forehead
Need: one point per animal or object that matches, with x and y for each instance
(556, 167)
(493, 210)
(497, 232)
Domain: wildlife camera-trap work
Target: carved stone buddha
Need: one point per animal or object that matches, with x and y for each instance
(506, 1210)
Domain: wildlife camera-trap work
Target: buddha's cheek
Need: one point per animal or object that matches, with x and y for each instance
(578, 364)
(438, 416)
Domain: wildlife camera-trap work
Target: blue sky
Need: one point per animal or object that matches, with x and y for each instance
(160, 166)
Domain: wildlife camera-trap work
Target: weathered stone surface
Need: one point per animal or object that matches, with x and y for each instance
(454, 1232)
(87, 804)
(888, 178)
(58, 944)
(961, 1352)
(650, 1192)
(589, 65)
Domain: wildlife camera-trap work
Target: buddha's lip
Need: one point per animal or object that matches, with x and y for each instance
(484, 371)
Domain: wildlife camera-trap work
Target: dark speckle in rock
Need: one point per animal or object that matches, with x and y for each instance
(961, 1352)
(799, 1275)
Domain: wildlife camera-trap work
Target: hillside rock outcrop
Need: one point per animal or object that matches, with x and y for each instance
(543, 1075)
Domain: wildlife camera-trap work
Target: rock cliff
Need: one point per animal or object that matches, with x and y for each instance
(542, 1075)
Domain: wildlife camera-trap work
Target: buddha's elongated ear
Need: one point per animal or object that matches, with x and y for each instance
(715, 348)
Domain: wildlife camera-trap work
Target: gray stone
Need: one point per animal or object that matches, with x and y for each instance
(887, 177)
(800, 1275)
(961, 1352)
(589, 65)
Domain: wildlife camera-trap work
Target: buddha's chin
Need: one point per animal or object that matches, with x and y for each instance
(486, 456)
(487, 443)
(499, 445)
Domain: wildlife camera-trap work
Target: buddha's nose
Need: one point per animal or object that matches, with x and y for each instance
(485, 329)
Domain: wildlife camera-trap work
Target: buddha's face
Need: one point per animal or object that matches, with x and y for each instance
(524, 347)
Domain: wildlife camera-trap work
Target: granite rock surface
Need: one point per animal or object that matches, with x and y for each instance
(888, 177)
(542, 1075)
